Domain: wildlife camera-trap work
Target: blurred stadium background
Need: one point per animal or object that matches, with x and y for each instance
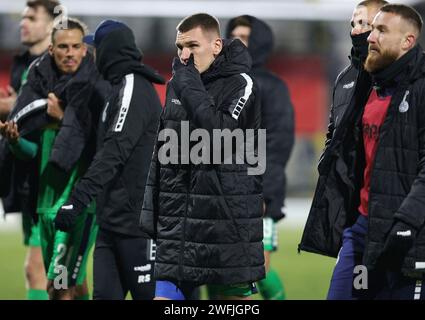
(312, 45)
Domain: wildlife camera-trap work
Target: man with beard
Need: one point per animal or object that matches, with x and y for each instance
(345, 85)
(53, 112)
(277, 117)
(36, 27)
(371, 187)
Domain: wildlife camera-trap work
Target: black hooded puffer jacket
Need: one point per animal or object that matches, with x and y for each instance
(207, 218)
(397, 185)
(126, 135)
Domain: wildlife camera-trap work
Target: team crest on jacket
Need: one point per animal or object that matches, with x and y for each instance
(349, 85)
(176, 101)
(404, 105)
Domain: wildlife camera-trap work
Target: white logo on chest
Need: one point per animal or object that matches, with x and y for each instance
(176, 101)
(404, 105)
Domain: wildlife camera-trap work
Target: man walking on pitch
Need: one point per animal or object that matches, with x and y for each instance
(35, 28)
(123, 259)
(206, 218)
(372, 190)
(56, 144)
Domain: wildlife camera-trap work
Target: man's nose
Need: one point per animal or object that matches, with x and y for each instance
(356, 30)
(70, 52)
(23, 23)
(372, 37)
(185, 54)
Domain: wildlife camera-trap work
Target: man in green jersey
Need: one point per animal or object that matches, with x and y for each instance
(54, 112)
(35, 32)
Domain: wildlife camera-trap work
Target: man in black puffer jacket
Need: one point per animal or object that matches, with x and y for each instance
(206, 218)
(369, 207)
(277, 117)
(116, 177)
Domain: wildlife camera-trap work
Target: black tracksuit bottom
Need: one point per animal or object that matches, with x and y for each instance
(123, 264)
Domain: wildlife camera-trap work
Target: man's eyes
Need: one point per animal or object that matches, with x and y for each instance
(193, 45)
(362, 23)
(32, 19)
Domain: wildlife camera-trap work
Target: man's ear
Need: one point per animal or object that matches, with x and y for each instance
(50, 27)
(217, 46)
(51, 50)
(409, 42)
(84, 49)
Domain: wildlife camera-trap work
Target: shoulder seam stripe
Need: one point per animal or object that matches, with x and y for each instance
(125, 103)
(242, 100)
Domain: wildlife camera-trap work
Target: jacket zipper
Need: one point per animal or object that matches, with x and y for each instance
(181, 275)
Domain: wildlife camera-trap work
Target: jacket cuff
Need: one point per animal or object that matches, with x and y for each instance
(274, 211)
(78, 204)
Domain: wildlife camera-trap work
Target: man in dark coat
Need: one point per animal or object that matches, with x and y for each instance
(277, 117)
(53, 113)
(368, 208)
(344, 88)
(345, 84)
(35, 29)
(123, 259)
(206, 217)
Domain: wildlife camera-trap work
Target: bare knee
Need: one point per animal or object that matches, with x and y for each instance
(267, 260)
(34, 269)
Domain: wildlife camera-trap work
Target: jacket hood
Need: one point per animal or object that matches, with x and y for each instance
(261, 40)
(409, 67)
(418, 71)
(118, 55)
(233, 59)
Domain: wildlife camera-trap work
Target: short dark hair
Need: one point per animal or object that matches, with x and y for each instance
(241, 21)
(407, 13)
(48, 5)
(203, 20)
(377, 3)
(73, 24)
